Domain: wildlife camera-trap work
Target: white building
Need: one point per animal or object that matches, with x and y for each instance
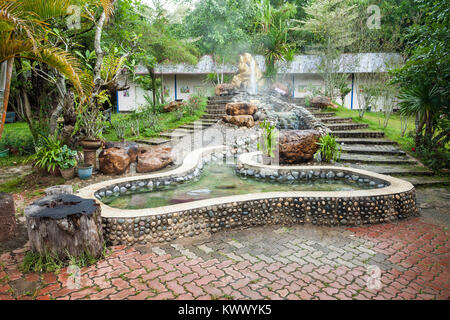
(301, 75)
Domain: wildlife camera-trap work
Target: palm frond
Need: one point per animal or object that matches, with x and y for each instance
(10, 48)
(108, 7)
(65, 63)
(45, 9)
(18, 20)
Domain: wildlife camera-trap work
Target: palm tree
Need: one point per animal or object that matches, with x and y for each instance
(423, 102)
(23, 27)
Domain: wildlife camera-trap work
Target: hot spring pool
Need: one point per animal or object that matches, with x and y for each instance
(220, 180)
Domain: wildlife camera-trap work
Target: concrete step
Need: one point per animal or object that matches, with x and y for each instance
(372, 149)
(153, 141)
(395, 170)
(214, 117)
(215, 106)
(183, 130)
(375, 159)
(427, 181)
(195, 126)
(174, 135)
(216, 112)
(358, 134)
(347, 126)
(365, 141)
(205, 121)
(336, 120)
(322, 115)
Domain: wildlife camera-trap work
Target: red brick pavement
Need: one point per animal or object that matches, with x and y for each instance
(416, 260)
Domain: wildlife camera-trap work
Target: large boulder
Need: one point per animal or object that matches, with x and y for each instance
(240, 108)
(320, 102)
(224, 89)
(114, 161)
(241, 121)
(7, 216)
(153, 158)
(130, 147)
(297, 146)
(174, 105)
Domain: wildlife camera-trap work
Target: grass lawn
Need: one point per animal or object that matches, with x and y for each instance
(375, 120)
(167, 121)
(18, 134)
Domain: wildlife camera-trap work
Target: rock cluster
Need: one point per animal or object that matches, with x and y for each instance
(240, 121)
(117, 158)
(224, 89)
(321, 102)
(240, 108)
(174, 105)
(240, 114)
(153, 158)
(298, 146)
(114, 161)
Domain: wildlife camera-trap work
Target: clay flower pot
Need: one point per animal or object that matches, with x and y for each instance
(67, 173)
(90, 147)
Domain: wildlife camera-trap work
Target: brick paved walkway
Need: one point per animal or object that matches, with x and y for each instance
(298, 262)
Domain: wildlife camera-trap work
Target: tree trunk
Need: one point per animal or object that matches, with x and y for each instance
(6, 86)
(152, 75)
(65, 225)
(60, 106)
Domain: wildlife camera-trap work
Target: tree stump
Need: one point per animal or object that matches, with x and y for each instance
(65, 225)
(7, 216)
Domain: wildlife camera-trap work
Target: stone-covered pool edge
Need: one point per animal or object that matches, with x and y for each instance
(396, 200)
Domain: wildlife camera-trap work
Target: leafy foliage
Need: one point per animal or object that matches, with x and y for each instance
(269, 138)
(329, 149)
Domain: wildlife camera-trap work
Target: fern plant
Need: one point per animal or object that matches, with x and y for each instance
(329, 149)
(48, 153)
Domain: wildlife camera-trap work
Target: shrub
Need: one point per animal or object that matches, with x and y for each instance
(121, 127)
(20, 144)
(329, 149)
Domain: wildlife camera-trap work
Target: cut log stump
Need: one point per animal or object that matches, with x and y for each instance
(65, 225)
(7, 216)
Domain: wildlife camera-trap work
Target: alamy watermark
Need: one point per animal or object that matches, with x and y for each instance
(374, 21)
(373, 282)
(74, 279)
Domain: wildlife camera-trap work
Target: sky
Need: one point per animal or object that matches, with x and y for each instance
(169, 5)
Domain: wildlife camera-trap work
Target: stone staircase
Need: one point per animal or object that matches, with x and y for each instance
(188, 129)
(215, 109)
(369, 150)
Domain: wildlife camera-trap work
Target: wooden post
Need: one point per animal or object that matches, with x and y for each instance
(65, 225)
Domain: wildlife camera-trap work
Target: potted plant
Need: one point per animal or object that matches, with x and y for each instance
(67, 162)
(85, 171)
(268, 144)
(92, 122)
(47, 155)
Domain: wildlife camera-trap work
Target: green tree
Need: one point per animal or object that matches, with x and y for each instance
(331, 22)
(24, 34)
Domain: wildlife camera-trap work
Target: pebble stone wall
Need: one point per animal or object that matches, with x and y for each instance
(266, 210)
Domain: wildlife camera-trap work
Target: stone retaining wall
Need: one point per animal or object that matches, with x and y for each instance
(389, 200)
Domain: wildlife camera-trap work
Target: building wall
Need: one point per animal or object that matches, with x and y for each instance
(185, 86)
(302, 85)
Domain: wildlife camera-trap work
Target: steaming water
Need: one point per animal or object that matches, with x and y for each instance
(253, 86)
